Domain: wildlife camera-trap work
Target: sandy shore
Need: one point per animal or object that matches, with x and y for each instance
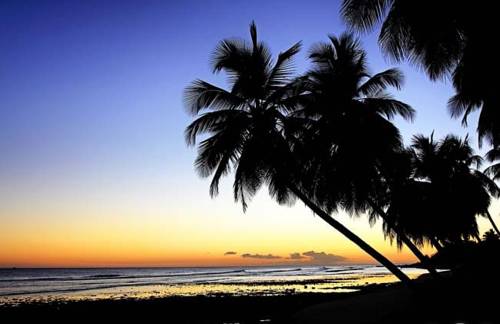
(200, 309)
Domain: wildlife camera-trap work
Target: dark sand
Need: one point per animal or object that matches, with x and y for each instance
(463, 297)
(202, 309)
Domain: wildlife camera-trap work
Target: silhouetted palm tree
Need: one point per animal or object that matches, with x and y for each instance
(448, 39)
(349, 140)
(247, 128)
(444, 193)
(494, 172)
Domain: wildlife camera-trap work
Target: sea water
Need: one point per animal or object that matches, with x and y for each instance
(28, 285)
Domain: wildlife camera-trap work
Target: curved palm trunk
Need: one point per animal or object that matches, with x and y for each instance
(424, 260)
(353, 237)
(492, 223)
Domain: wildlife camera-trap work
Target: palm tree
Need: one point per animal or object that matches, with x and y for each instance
(494, 172)
(349, 140)
(440, 200)
(447, 39)
(247, 125)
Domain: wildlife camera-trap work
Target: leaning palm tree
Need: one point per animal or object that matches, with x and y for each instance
(439, 202)
(247, 125)
(348, 135)
(447, 39)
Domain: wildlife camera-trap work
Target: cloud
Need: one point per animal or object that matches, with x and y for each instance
(323, 258)
(309, 257)
(296, 256)
(260, 256)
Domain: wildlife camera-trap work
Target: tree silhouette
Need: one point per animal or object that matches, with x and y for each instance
(247, 128)
(447, 39)
(349, 143)
(443, 194)
(493, 171)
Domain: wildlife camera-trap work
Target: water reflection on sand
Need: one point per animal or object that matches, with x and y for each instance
(258, 281)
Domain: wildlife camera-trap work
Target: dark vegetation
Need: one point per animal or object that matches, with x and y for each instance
(327, 138)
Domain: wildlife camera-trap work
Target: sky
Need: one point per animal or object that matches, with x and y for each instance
(94, 169)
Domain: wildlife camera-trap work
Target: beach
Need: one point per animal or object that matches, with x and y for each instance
(186, 295)
(461, 296)
(196, 309)
(20, 286)
(451, 301)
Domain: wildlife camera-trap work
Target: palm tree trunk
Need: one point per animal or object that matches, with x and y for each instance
(351, 236)
(424, 260)
(492, 223)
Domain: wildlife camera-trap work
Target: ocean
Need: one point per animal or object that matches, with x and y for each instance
(44, 285)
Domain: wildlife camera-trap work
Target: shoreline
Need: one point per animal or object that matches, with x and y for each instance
(218, 308)
(96, 285)
(460, 297)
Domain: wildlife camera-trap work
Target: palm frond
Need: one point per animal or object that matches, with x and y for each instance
(249, 173)
(488, 125)
(493, 154)
(459, 105)
(223, 168)
(362, 15)
(224, 143)
(493, 171)
(380, 81)
(253, 34)
(390, 107)
(211, 122)
(283, 69)
(203, 95)
(212, 151)
(230, 55)
(322, 53)
(487, 183)
(395, 37)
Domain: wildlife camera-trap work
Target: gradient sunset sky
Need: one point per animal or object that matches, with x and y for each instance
(94, 170)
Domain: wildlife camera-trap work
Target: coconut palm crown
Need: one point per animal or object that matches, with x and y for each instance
(245, 124)
(349, 133)
(445, 192)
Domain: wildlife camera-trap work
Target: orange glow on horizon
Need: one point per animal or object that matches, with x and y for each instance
(182, 240)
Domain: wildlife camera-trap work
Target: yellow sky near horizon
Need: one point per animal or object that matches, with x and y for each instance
(197, 235)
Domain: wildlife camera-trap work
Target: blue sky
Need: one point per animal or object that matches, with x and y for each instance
(91, 114)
